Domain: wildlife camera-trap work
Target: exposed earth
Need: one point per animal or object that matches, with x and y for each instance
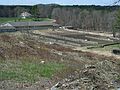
(66, 67)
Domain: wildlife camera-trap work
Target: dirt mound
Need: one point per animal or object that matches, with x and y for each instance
(86, 70)
(7, 38)
(101, 76)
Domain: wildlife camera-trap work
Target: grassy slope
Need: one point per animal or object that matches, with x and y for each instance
(108, 48)
(25, 71)
(22, 61)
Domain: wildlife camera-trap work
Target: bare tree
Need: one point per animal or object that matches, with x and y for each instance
(116, 2)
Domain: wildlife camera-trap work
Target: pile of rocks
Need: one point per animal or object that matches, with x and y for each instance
(101, 76)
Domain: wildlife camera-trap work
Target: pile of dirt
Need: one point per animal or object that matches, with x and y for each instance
(7, 38)
(88, 71)
(100, 76)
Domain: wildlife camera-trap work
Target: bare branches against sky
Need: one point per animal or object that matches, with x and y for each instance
(116, 2)
(61, 2)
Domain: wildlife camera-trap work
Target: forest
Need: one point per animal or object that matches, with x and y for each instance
(87, 17)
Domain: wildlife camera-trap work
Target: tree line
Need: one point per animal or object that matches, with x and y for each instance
(99, 18)
(13, 11)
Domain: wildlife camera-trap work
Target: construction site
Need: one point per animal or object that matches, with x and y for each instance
(60, 59)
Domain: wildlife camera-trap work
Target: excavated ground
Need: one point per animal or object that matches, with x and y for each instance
(83, 70)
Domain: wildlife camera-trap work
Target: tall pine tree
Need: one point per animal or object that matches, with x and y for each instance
(34, 11)
(116, 28)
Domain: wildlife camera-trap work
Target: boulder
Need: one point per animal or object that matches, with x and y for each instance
(116, 51)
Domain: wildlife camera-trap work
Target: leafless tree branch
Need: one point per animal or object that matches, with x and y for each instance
(116, 2)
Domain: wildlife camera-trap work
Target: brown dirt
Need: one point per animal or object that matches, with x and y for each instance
(85, 70)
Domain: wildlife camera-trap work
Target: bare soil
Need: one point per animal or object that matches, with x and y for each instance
(84, 70)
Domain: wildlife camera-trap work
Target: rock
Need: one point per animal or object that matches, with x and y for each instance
(90, 66)
(42, 62)
(56, 86)
(116, 51)
(86, 40)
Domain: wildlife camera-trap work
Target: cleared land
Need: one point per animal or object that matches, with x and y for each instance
(82, 39)
(37, 60)
(85, 41)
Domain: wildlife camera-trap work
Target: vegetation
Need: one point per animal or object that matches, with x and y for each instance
(2, 20)
(116, 28)
(24, 59)
(13, 19)
(40, 19)
(27, 71)
(107, 48)
(34, 11)
(99, 18)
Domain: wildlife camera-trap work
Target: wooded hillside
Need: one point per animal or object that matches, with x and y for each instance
(100, 18)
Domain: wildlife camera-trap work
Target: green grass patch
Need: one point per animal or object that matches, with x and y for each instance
(108, 48)
(28, 71)
(115, 46)
(2, 20)
(40, 19)
(15, 19)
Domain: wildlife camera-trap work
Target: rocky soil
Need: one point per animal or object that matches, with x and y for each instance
(86, 71)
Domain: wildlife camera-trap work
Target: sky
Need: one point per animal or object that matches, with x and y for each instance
(61, 2)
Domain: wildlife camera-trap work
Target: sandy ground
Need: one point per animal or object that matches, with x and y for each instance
(105, 53)
(93, 33)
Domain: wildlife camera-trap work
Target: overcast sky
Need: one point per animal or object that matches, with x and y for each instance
(62, 2)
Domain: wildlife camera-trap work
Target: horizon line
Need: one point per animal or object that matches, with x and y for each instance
(57, 4)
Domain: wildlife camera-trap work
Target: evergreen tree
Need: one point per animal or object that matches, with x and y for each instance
(116, 28)
(34, 11)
